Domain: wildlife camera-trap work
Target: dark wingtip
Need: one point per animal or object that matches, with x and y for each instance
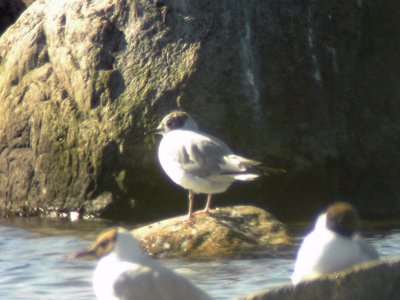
(272, 171)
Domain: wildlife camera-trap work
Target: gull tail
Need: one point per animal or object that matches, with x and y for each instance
(254, 172)
(241, 168)
(256, 167)
(271, 171)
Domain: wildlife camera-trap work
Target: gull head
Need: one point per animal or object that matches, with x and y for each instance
(176, 120)
(115, 240)
(342, 218)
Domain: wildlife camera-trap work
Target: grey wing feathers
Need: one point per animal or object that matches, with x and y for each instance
(162, 284)
(207, 156)
(367, 249)
(204, 156)
(136, 284)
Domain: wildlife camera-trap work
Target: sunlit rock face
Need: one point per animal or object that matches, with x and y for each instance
(373, 280)
(230, 232)
(308, 86)
(9, 12)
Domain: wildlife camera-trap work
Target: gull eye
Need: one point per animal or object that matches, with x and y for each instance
(104, 244)
(170, 123)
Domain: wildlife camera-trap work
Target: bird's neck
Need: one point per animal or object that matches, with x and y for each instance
(129, 253)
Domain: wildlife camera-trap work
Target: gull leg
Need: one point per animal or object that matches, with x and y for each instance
(208, 204)
(206, 209)
(191, 197)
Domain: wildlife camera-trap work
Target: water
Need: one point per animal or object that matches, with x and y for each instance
(35, 263)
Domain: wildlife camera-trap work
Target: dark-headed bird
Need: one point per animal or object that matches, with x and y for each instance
(333, 245)
(201, 163)
(124, 272)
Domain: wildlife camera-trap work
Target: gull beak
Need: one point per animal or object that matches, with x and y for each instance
(85, 254)
(159, 131)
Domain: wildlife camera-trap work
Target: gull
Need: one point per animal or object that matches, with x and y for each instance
(125, 272)
(198, 162)
(333, 245)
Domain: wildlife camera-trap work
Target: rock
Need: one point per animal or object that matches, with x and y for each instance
(28, 2)
(9, 12)
(310, 86)
(237, 231)
(372, 280)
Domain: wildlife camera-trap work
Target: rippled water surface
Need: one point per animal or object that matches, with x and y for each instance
(35, 263)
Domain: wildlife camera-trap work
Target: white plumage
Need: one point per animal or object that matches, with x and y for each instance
(124, 272)
(325, 250)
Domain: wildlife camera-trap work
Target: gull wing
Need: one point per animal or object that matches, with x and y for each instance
(202, 156)
(367, 249)
(160, 283)
(206, 156)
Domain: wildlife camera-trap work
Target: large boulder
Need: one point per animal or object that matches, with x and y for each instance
(229, 232)
(309, 85)
(372, 280)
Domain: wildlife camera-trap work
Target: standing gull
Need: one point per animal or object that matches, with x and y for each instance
(125, 272)
(333, 245)
(199, 162)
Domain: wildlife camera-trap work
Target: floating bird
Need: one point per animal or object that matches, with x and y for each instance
(125, 272)
(333, 245)
(199, 162)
